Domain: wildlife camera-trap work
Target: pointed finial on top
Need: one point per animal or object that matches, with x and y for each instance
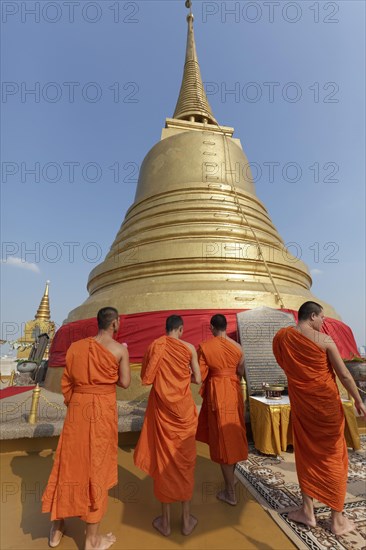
(192, 102)
(190, 17)
(43, 312)
(189, 5)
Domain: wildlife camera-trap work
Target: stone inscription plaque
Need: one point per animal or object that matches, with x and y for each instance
(257, 328)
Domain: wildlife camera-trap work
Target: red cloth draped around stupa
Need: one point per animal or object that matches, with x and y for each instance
(138, 330)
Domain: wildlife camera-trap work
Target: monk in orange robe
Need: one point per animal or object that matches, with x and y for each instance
(221, 420)
(310, 360)
(85, 465)
(166, 449)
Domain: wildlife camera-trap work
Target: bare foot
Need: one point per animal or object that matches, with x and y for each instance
(101, 542)
(341, 525)
(225, 497)
(56, 532)
(299, 516)
(161, 526)
(188, 526)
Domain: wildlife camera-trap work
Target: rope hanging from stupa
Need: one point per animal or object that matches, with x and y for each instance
(204, 107)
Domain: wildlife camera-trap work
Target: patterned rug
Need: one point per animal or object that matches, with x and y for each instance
(273, 482)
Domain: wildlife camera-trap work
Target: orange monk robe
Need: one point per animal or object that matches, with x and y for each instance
(85, 465)
(317, 417)
(166, 449)
(221, 420)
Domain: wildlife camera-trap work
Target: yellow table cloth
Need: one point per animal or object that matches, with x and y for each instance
(272, 428)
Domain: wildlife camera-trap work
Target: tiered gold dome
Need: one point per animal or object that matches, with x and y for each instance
(196, 236)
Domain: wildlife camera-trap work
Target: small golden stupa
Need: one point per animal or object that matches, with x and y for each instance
(39, 325)
(196, 236)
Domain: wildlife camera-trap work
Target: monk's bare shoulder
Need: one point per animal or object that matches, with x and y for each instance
(118, 350)
(326, 340)
(121, 349)
(236, 344)
(189, 346)
(319, 338)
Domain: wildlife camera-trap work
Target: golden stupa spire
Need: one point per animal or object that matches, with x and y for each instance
(43, 312)
(196, 234)
(192, 103)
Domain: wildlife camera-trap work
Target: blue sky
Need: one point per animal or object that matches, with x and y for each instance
(106, 74)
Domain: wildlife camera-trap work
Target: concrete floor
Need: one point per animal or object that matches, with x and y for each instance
(131, 508)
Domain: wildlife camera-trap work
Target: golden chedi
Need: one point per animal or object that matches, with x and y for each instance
(196, 235)
(39, 325)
